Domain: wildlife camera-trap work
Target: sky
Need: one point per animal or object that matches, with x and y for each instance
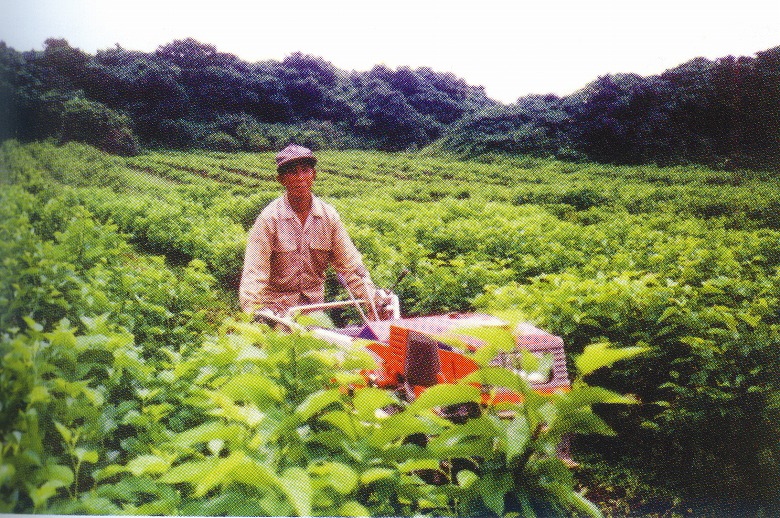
(512, 48)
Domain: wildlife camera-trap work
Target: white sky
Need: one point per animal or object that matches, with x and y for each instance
(512, 48)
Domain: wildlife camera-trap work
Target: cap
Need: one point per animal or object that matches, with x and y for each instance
(294, 153)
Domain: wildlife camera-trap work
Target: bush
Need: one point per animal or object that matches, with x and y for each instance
(179, 134)
(96, 124)
(220, 141)
(584, 198)
(708, 426)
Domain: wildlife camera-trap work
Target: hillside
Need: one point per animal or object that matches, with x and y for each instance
(188, 95)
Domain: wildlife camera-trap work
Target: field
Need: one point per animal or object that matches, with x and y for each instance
(125, 355)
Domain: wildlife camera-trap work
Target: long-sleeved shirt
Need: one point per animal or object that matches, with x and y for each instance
(285, 260)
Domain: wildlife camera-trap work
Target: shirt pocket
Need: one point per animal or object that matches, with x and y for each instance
(320, 250)
(285, 263)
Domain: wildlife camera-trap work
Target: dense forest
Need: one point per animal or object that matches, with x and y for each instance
(723, 113)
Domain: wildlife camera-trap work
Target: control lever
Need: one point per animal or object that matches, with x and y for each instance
(401, 276)
(343, 282)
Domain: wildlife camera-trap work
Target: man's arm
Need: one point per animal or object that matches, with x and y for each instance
(257, 266)
(348, 262)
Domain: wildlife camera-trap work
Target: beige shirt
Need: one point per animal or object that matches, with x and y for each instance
(285, 260)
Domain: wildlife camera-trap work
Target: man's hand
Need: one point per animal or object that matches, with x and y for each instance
(384, 301)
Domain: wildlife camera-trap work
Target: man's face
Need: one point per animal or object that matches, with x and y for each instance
(298, 180)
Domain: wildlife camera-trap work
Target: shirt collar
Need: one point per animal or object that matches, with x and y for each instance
(317, 210)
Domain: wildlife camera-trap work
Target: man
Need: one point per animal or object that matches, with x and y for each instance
(293, 241)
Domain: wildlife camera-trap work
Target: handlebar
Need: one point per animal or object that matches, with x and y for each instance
(305, 308)
(394, 307)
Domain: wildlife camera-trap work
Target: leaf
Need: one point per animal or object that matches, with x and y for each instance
(538, 366)
(583, 395)
(39, 394)
(316, 402)
(108, 472)
(40, 495)
(296, 486)
(345, 379)
(499, 336)
(63, 336)
(466, 478)
(250, 353)
(374, 474)
(188, 472)
(94, 396)
(158, 412)
(219, 473)
(582, 421)
(64, 432)
(84, 455)
(352, 508)
(370, 399)
(95, 505)
(215, 446)
(32, 324)
(418, 464)
(339, 476)
(253, 333)
(315, 319)
(511, 316)
(254, 474)
(233, 433)
(395, 427)
(444, 394)
(601, 354)
(56, 472)
(342, 421)
(148, 464)
(583, 505)
(492, 489)
(495, 338)
(749, 319)
(358, 359)
(475, 437)
(518, 434)
(7, 472)
(499, 377)
(253, 387)
(248, 414)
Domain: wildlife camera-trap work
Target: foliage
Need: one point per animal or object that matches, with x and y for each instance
(187, 94)
(120, 397)
(96, 124)
(681, 260)
(717, 113)
(221, 142)
(182, 95)
(257, 422)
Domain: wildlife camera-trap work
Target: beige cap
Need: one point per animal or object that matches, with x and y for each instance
(294, 153)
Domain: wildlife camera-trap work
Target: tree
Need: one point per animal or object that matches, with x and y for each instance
(312, 87)
(192, 54)
(534, 125)
(761, 109)
(391, 121)
(614, 116)
(98, 125)
(64, 66)
(691, 119)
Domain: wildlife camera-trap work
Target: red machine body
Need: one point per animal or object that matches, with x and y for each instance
(408, 353)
